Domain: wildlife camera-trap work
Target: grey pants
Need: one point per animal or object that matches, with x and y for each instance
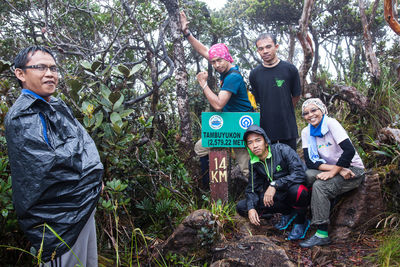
(325, 190)
(85, 249)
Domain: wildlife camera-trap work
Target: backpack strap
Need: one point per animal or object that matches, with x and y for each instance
(250, 95)
(229, 72)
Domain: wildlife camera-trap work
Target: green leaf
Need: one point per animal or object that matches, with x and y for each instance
(106, 204)
(117, 72)
(125, 113)
(115, 118)
(384, 153)
(95, 65)
(75, 84)
(105, 92)
(75, 87)
(90, 73)
(86, 122)
(114, 96)
(106, 70)
(99, 119)
(85, 105)
(124, 70)
(4, 213)
(135, 69)
(4, 65)
(86, 65)
(107, 105)
(116, 128)
(119, 102)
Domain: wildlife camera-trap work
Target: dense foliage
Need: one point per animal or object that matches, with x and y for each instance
(116, 61)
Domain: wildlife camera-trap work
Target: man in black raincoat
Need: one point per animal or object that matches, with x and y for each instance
(276, 184)
(55, 166)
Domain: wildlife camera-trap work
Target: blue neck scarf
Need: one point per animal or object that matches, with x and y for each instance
(318, 131)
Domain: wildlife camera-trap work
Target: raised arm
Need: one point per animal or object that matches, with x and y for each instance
(196, 44)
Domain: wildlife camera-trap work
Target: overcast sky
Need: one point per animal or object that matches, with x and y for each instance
(215, 4)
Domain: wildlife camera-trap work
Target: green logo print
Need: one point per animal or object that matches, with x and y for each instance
(279, 83)
(278, 168)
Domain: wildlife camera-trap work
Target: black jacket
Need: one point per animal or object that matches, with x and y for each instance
(56, 182)
(284, 166)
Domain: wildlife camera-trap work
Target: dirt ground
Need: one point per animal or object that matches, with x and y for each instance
(351, 252)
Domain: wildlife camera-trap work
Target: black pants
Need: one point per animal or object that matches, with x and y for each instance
(296, 198)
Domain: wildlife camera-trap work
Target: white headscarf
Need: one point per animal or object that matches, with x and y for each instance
(312, 143)
(317, 102)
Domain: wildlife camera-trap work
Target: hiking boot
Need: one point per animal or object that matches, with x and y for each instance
(299, 231)
(285, 221)
(315, 241)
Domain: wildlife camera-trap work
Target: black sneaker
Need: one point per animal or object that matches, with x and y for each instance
(299, 231)
(315, 241)
(285, 221)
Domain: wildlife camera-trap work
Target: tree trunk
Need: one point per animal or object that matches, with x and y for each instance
(315, 65)
(305, 42)
(372, 60)
(390, 16)
(180, 73)
(292, 43)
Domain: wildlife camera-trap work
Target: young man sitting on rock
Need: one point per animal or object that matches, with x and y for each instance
(276, 184)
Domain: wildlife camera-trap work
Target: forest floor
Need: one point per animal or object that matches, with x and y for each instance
(351, 252)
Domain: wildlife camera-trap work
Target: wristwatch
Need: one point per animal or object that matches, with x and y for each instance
(273, 184)
(187, 34)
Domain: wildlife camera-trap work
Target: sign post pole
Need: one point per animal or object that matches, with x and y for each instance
(219, 164)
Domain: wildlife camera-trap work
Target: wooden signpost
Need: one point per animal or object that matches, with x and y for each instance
(218, 173)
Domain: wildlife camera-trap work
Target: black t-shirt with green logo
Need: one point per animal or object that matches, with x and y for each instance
(273, 89)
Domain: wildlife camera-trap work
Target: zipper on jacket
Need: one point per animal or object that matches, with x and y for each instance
(271, 177)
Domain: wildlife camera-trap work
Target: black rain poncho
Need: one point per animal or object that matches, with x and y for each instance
(58, 182)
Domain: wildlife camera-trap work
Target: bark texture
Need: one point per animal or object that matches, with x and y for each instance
(372, 60)
(180, 72)
(390, 16)
(305, 42)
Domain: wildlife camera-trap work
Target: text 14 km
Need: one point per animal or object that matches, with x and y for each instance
(220, 173)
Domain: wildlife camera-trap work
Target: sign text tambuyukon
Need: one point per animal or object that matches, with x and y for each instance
(226, 129)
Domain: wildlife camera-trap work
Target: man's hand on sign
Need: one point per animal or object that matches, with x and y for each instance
(269, 196)
(202, 78)
(253, 217)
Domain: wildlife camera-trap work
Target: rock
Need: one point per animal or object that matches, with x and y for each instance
(197, 228)
(236, 174)
(255, 250)
(389, 134)
(237, 182)
(358, 209)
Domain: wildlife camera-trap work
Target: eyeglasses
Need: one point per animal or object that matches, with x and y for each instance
(311, 111)
(41, 68)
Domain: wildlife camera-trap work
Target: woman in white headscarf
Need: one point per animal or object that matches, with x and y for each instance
(334, 167)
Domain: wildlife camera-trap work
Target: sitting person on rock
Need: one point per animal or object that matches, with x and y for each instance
(334, 167)
(276, 184)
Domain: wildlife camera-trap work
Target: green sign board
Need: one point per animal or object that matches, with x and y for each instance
(226, 129)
